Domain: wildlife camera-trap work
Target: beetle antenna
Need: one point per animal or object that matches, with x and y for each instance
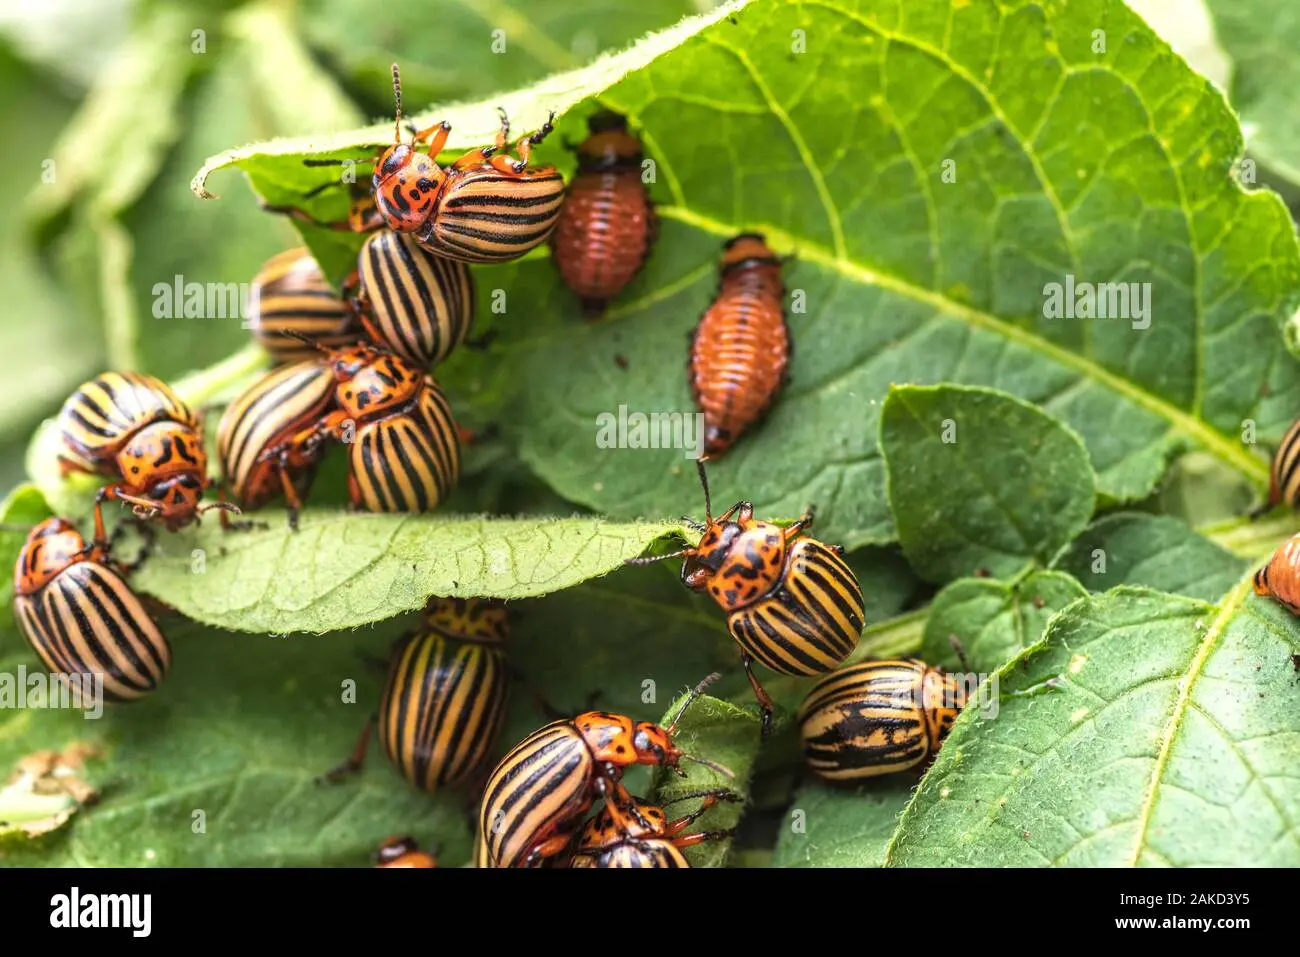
(720, 768)
(657, 558)
(695, 693)
(295, 334)
(704, 482)
(6, 527)
(960, 649)
(397, 100)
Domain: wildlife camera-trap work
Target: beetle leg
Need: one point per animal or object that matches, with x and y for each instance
(690, 840)
(474, 157)
(546, 849)
(672, 828)
(503, 134)
(436, 135)
(290, 493)
(504, 164)
(525, 146)
(796, 527)
(354, 493)
(144, 508)
(358, 756)
(302, 216)
(764, 701)
(101, 537)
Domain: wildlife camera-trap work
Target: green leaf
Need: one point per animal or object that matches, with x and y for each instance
(893, 262)
(1171, 739)
(243, 723)
(504, 44)
(138, 92)
(980, 480)
(473, 124)
(1259, 36)
(1152, 550)
(993, 620)
(717, 731)
(344, 570)
(842, 827)
(238, 731)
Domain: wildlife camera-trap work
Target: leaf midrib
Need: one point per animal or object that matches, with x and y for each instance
(1227, 611)
(1181, 422)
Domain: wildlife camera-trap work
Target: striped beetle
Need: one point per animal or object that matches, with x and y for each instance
(791, 601)
(80, 616)
(536, 798)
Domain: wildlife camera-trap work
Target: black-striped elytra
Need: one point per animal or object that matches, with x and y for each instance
(414, 303)
(290, 294)
(643, 836)
(878, 717)
(268, 414)
(74, 607)
(133, 429)
(792, 602)
(483, 208)
(445, 695)
(538, 795)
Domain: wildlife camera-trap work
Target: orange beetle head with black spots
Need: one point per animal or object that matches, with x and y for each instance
(406, 182)
(618, 741)
(52, 546)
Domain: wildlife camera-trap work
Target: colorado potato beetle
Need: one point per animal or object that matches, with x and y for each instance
(483, 208)
(80, 616)
(537, 796)
(608, 223)
(418, 305)
(445, 698)
(404, 852)
(878, 717)
(792, 602)
(1280, 578)
(269, 413)
(646, 839)
(403, 443)
(741, 348)
(291, 294)
(134, 429)
(1284, 473)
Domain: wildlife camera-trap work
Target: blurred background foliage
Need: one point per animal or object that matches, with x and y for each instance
(114, 104)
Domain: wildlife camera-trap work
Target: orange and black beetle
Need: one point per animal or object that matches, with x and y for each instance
(878, 717)
(483, 208)
(291, 295)
(538, 795)
(445, 698)
(134, 429)
(404, 852)
(269, 413)
(616, 838)
(403, 443)
(82, 618)
(1280, 578)
(791, 601)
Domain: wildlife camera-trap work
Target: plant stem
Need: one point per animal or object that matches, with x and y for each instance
(1253, 539)
(202, 387)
